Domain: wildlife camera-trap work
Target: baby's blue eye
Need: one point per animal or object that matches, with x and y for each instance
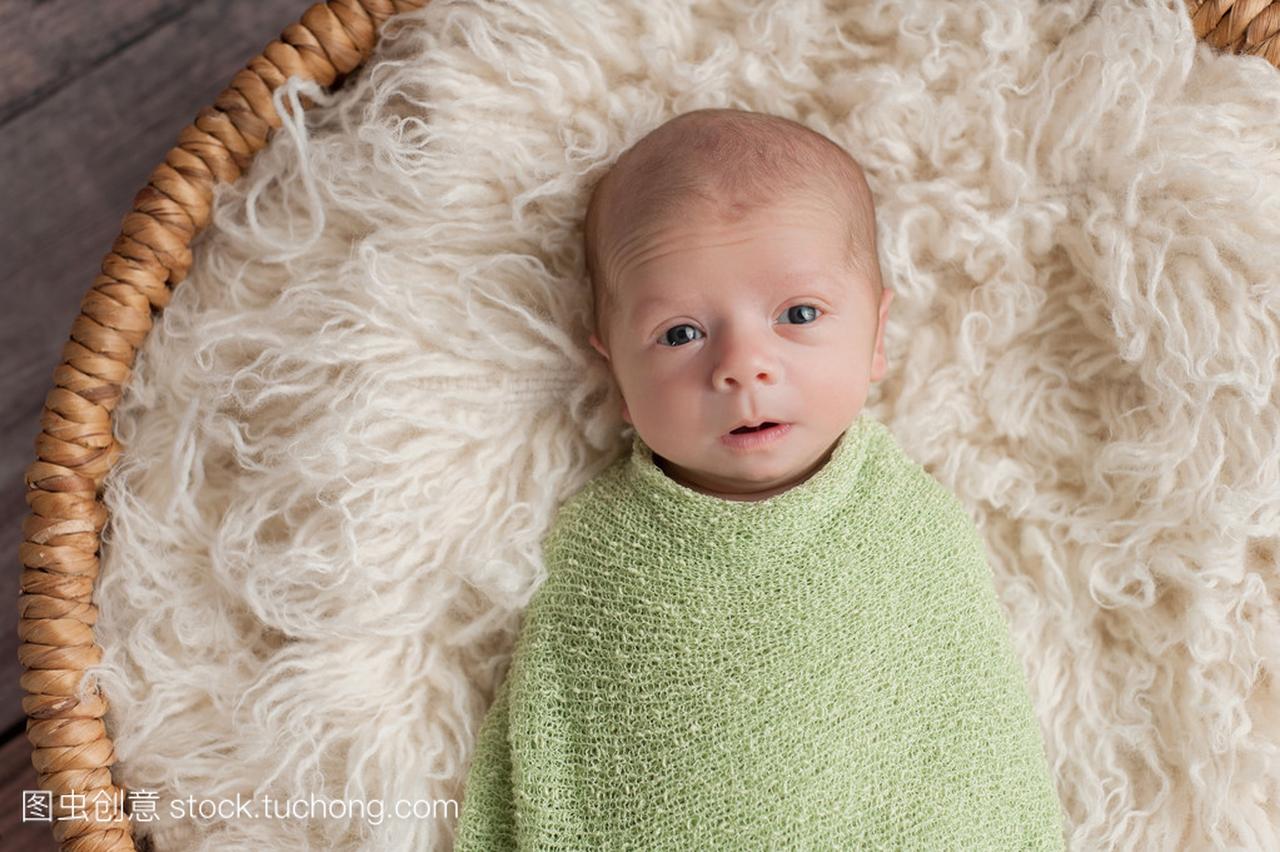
(684, 337)
(798, 307)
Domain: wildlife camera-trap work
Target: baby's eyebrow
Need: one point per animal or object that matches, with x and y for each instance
(815, 283)
(643, 308)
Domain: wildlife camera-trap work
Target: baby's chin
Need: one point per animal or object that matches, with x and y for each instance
(748, 477)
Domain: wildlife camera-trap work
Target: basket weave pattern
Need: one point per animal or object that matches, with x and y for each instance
(76, 448)
(1239, 26)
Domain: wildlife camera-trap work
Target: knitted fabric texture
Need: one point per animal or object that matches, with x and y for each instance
(826, 668)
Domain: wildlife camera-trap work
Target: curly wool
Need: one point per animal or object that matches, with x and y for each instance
(828, 668)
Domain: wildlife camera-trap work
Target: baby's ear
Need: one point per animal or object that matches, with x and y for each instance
(595, 342)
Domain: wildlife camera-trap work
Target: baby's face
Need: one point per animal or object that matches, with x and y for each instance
(716, 324)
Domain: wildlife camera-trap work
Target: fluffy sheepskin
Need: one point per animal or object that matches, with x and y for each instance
(350, 429)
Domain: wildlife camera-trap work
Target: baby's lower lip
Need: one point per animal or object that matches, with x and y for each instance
(759, 438)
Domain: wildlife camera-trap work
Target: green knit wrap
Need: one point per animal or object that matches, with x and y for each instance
(828, 668)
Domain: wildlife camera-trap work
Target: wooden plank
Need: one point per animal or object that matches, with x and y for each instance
(81, 140)
(44, 46)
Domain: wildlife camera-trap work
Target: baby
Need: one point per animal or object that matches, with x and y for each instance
(737, 282)
(764, 626)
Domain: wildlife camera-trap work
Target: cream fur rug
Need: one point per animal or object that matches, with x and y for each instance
(357, 418)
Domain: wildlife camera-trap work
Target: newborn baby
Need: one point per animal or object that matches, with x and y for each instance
(764, 626)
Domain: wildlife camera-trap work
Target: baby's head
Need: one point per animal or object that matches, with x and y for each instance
(736, 278)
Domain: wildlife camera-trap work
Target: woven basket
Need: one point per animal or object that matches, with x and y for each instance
(76, 447)
(1247, 26)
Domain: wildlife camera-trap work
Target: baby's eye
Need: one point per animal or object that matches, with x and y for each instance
(798, 307)
(666, 335)
(684, 337)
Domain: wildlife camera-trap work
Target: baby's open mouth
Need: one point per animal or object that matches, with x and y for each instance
(765, 425)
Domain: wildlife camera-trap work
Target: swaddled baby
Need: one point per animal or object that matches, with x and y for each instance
(764, 626)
